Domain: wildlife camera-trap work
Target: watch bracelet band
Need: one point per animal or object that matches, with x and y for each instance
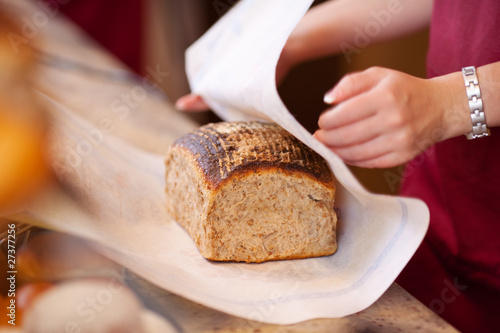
(478, 118)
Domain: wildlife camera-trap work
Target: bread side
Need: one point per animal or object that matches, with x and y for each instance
(187, 193)
(251, 192)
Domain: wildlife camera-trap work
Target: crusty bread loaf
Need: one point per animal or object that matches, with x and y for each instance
(250, 191)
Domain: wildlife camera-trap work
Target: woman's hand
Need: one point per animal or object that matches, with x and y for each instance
(384, 118)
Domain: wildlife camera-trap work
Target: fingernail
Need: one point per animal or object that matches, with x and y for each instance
(329, 97)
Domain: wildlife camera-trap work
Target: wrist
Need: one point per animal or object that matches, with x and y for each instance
(453, 102)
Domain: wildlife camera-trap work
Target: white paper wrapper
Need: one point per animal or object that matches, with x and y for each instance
(121, 193)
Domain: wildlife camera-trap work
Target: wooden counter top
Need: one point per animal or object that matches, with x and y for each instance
(395, 311)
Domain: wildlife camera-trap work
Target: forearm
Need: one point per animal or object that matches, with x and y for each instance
(489, 82)
(333, 26)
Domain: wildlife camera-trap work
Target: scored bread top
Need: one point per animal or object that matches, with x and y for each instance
(225, 148)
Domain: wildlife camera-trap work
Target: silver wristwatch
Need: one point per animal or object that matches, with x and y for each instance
(479, 128)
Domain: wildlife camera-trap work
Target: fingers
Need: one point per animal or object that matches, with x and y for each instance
(351, 134)
(373, 124)
(369, 150)
(369, 144)
(191, 102)
(353, 84)
(385, 161)
(380, 152)
(380, 149)
(348, 112)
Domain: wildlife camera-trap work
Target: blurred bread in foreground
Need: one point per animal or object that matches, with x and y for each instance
(250, 191)
(23, 168)
(86, 306)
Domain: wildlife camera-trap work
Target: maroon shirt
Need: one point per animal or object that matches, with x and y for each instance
(456, 271)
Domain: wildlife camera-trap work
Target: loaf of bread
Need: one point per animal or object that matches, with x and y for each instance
(250, 191)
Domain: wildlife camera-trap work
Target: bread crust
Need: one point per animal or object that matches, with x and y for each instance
(228, 148)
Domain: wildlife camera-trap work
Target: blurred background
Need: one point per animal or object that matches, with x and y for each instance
(154, 33)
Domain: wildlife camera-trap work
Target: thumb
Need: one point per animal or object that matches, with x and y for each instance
(352, 85)
(192, 103)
